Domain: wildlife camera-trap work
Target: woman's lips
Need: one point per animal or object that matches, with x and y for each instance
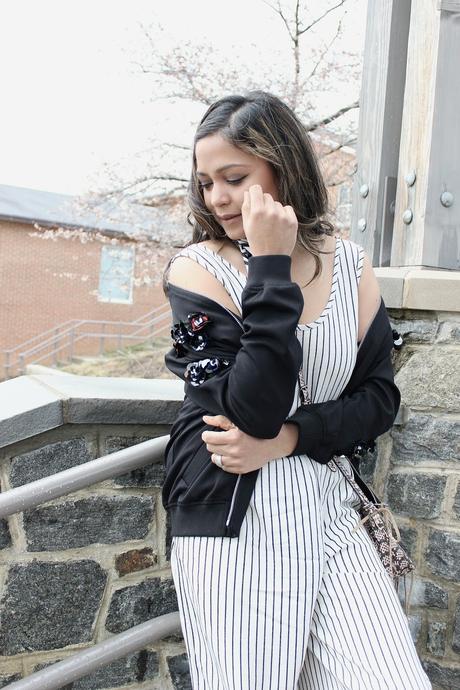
(229, 220)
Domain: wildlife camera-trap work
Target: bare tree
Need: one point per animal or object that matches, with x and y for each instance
(192, 74)
(198, 74)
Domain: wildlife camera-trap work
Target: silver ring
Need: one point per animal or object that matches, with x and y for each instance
(218, 460)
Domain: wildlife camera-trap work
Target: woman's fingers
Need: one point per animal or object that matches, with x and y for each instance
(220, 438)
(222, 449)
(246, 206)
(270, 227)
(290, 213)
(256, 198)
(219, 420)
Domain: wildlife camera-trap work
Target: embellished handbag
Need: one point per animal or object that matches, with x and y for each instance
(376, 517)
(382, 529)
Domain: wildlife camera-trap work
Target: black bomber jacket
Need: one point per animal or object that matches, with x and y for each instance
(246, 368)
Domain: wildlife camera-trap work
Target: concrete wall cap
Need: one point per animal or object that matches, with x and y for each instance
(422, 288)
(30, 405)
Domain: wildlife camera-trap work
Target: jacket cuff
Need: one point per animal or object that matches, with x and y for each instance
(271, 268)
(311, 432)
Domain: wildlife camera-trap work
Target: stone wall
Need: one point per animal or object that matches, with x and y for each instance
(417, 471)
(78, 569)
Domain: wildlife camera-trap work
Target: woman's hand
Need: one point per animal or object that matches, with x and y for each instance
(242, 453)
(270, 227)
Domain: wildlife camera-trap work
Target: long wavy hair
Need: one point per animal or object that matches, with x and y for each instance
(260, 124)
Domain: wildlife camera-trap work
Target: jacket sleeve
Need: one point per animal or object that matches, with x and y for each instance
(256, 388)
(334, 427)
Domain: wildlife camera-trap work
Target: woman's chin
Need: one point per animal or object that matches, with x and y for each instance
(236, 233)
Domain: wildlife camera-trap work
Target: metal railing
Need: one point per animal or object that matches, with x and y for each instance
(78, 665)
(63, 339)
(30, 495)
(79, 477)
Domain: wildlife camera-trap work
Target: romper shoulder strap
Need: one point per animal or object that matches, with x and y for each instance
(228, 275)
(359, 262)
(354, 258)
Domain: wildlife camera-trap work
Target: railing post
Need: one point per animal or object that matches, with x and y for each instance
(7, 364)
(102, 340)
(71, 347)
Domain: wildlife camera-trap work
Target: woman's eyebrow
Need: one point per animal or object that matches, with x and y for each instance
(224, 167)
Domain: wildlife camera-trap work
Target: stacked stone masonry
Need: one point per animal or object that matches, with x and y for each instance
(78, 569)
(417, 471)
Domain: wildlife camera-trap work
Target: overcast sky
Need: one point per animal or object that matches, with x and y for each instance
(74, 100)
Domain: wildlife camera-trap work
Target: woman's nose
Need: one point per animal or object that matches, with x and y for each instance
(219, 196)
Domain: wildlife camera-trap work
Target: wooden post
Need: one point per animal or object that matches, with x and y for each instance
(381, 102)
(427, 215)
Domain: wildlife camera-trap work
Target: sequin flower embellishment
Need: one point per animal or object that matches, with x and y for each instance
(188, 332)
(198, 372)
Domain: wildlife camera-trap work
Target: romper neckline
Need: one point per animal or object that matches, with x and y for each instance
(331, 300)
(332, 294)
(225, 261)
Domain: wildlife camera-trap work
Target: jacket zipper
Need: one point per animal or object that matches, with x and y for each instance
(237, 318)
(232, 504)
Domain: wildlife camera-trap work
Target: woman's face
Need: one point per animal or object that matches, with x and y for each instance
(224, 173)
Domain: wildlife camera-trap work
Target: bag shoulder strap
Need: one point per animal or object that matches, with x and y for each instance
(351, 481)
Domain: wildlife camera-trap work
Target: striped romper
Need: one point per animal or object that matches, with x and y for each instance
(298, 600)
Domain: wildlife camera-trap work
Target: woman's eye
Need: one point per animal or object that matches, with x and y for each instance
(204, 185)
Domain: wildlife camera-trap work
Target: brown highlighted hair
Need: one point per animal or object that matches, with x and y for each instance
(260, 124)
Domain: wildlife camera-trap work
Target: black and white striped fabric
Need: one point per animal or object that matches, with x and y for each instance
(299, 600)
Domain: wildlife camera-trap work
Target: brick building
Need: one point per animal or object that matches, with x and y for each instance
(63, 266)
(59, 266)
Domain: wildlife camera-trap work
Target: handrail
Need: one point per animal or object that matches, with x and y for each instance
(80, 664)
(30, 495)
(119, 336)
(40, 335)
(80, 336)
(62, 333)
(153, 311)
(64, 337)
(76, 322)
(150, 323)
(79, 477)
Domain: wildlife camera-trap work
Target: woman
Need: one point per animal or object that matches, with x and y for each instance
(276, 589)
